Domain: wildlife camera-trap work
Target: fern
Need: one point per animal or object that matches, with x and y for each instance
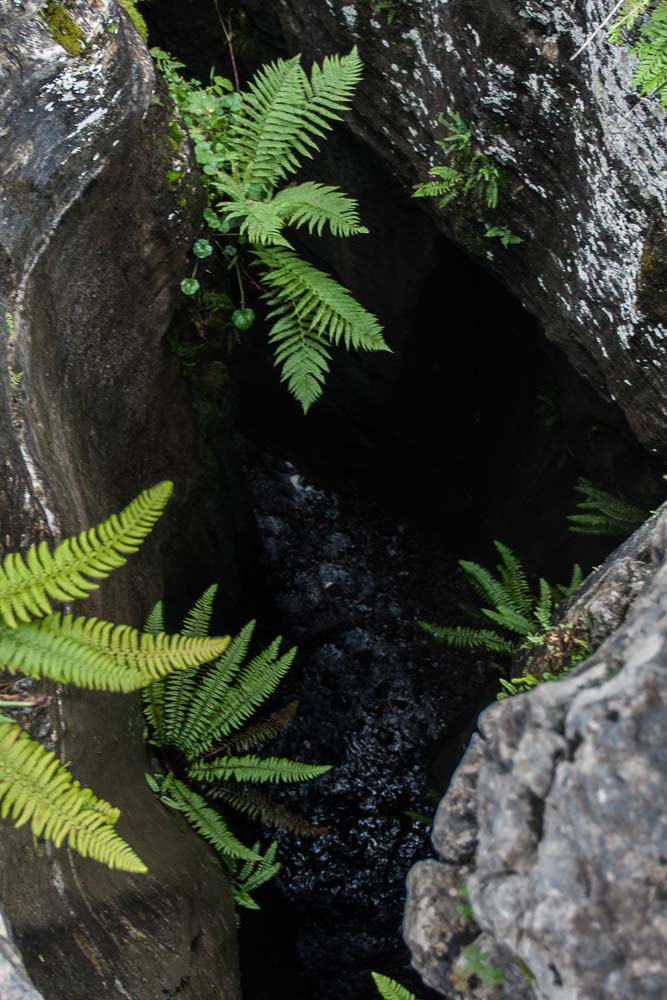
(521, 616)
(247, 151)
(206, 821)
(602, 513)
(391, 990)
(36, 788)
(90, 653)
(204, 714)
(250, 875)
(643, 24)
(29, 581)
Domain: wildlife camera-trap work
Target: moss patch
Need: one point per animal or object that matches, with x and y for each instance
(652, 278)
(64, 28)
(137, 19)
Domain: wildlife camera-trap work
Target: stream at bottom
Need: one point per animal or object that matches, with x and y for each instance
(381, 703)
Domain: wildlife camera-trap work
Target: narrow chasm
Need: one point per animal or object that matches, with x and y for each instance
(473, 429)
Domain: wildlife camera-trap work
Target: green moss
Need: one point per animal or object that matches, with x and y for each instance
(652, 278)
(64, 28)
(137, 19)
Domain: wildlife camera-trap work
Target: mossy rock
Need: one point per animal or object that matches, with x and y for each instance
(64, 28)
(136, 18)
(652, 279)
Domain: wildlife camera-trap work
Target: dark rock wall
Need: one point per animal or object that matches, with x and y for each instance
(584, 169)
(93, 239)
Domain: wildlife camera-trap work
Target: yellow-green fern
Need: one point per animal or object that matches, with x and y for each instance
(34, 786)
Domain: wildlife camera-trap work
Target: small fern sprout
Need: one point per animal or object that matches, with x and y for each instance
(35, 787)
(206, 720)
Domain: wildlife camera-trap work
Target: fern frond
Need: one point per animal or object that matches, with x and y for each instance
(447, 186)
(486, 585)
(259, 770)
(211, 693)
(332, 86)
(514, 580)
(197, 621)
(565, 590)
(271, 127)
(205, 820)
(258, 806)
(179, 692)
(318, 205)
(318, 301)
(256, 681)
(544, 608)
(36, 788)
(29, 581)
(256, 873)
(510, 619)
(155, 619)
(98, 654)
(603, 513)
(389, 989)
(258, 220)
(462, 637)
(265, 729)
(303, 356)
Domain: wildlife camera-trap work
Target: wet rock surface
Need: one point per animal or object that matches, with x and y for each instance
(561, 803)
(591, 265)
(349, 584)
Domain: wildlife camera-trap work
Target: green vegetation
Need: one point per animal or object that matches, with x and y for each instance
(203, 719)
(387, 7)
(391, 990)
(34, 786)
(470, 178)
(248, 146)
(520, 616)
(474, 963)
(64, 28)
(601, 513)
(136, 17)
(642, 25)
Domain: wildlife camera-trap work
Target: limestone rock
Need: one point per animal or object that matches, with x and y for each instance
(565, 791)
(584, 163)
(93, 237)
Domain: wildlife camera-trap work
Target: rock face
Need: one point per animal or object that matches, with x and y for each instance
(556, 816)
(583, 168)
(93, 237)
(14, 983)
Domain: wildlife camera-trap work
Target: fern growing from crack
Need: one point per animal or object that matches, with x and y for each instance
(205, 719)
(522, 618)
(35, 787)
(249, 145)
(602, 513)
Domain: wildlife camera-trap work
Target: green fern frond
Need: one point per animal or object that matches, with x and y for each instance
(259, 732)
(256, 873)
(269, 130)
(211, 692)
(318, 301)
(205, 820)
(447, 186)
(462, 637)
(485, 583)
(332, 86)
(155, 620)
(179, 692)
(197, 621)
(318, 205)
(255, 683)
(258, 220)
(29, 581)
(303, 356)
(36, 788)
(258, 770)
(514, 579)
(389, 989)
(98, 654)
(565, 590)
(602, 513)
(258, 806)
(510, 619)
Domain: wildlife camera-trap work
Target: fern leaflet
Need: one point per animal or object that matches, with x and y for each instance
(206, 821)
(389, 989)
(256, 769)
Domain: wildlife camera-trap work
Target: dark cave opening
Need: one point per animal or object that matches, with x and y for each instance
(475, 428)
